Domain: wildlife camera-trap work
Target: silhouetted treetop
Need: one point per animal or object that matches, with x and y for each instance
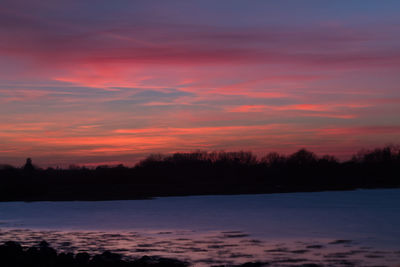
(273, 159)
(302, 157)
(386, 154)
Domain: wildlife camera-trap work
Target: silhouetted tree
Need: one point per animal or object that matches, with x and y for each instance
(28, 167)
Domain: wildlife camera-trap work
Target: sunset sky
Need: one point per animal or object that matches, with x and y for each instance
(94, 82)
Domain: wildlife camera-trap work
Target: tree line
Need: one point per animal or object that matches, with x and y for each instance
(203, 172)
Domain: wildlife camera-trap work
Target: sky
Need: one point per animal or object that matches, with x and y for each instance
(107, 82)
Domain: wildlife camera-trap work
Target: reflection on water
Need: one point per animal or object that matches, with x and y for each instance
(210, 248)
(334, 228)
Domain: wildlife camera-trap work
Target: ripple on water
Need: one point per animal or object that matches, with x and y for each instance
(209, 248)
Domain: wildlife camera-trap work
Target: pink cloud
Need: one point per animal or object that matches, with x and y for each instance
(70, 88)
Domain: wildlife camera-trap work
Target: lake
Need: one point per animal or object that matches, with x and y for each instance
(333, 228)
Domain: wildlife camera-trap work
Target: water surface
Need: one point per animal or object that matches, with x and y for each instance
(360, 227)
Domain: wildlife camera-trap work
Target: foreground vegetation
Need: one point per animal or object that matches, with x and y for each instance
(12, 254)
(201, 172)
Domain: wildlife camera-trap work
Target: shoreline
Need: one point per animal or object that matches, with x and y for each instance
(161, 195)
